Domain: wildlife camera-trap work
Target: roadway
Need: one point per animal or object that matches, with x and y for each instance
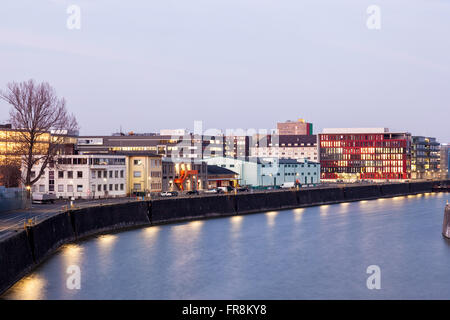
(15, 219)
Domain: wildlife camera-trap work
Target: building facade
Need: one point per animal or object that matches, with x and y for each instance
(364, 154)
(296, 147)
(221, 177)
(425, 158)
(445, 160)
(184, 175)
(143, 172)
(293, 128)
(271, 171)
(83, 176)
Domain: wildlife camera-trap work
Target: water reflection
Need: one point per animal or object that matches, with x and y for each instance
(236, 224)
(298, 213)
(271, 215)
(324, 209)
(72, 254)
(29, 288)
(294, 254)
(151, 232)
(106, 242)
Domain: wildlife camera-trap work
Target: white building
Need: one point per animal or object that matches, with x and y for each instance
(83, 176)
(286, 147)
(270, 171)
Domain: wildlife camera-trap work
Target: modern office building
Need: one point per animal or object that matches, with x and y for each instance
(182, 147)
(270, 171)
(13, 143)
(184, 175)
(425, 158)
(294, 128)
(83, 176)
(445, 160)
(237, 146)
(296, 147)
(352, 154)
(177, 148)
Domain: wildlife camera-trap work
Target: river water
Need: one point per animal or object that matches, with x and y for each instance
(312, 253)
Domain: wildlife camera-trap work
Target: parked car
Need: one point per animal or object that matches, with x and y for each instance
(242, 189)
(169, 194)
(192, 192)
(226, 189)
(215, 190)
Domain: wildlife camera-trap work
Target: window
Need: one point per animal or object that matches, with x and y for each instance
(110, 187)
(79, 174)
(33, 174)
(60, 188)
(116, 187)
(61, 174)
(80, 188)
(69, 174)
(105, 187)
(121, 186)
(41, 188)
(93, 175)
(105, 174)
(121, 173)
(99, 174)
(110, 174)
(116, 174)
(137, 186)
(137, 162)
(69, 188)
(136, 174)
(99, 187)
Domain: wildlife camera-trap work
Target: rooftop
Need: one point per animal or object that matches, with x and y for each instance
(215, 170)
(355, 130)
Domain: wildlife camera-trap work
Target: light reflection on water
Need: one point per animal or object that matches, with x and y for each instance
(308, 253)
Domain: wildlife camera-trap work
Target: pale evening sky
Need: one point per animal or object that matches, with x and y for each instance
(147, 65)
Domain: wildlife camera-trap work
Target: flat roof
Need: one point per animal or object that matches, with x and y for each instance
(355, 130)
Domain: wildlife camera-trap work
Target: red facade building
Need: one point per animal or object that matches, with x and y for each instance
(364, 154)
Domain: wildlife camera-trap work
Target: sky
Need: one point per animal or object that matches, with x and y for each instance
(148, 65)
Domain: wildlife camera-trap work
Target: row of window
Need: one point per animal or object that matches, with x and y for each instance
(105, 174)
(154, 186)
(292, 174)
(80, 188)
(92, 161)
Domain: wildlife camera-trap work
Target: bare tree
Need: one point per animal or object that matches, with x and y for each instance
(36, 112)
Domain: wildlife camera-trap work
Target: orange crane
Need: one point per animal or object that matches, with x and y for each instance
(184, 174)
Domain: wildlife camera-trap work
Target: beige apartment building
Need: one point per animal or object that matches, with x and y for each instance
(143, 172)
